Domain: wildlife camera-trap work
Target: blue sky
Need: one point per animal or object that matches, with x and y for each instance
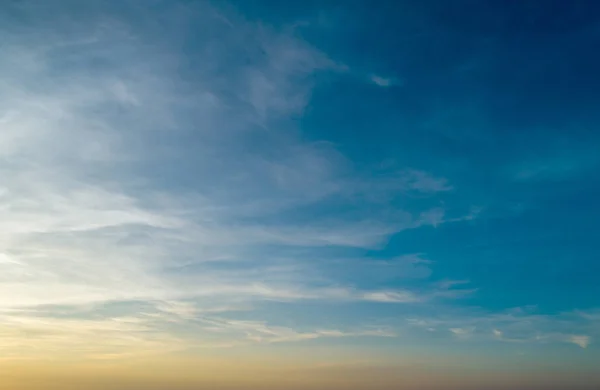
(184, 176)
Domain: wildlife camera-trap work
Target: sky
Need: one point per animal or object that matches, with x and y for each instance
(255, 194)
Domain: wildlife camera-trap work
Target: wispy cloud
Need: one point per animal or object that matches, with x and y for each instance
(131, 173)
(257, 331)
(519, 325)
(462, 332)
(384, 82)
(34, 336)
(392, 296)
(124, 329)
(581, 340)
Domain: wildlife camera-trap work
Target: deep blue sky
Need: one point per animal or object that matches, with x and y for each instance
(510, 87)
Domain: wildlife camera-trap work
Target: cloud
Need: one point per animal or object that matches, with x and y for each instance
(392, 296)
(590, 315)
(384, 82)
(462, 332)
(448, 284)
(131, 172)
(582, 341)
(521, 325)
(433, 217)
(37, 336)
(424, 182)
(139, 328)
(261, 332)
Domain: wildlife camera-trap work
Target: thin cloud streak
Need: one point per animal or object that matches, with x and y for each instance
(518, 325)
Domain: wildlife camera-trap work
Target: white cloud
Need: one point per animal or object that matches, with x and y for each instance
(581, 340)
(462, 332)
(384, 82)
(259, 331)
(392, 296)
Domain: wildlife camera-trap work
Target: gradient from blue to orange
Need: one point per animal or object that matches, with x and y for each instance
(316, 194)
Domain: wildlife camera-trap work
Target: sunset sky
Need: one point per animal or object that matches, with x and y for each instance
(331, 194)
